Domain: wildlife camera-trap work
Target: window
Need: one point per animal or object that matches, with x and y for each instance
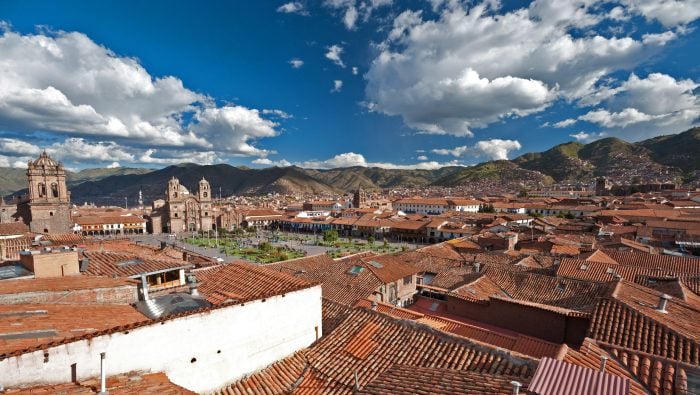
(54, 189)
(42, 189)
(407, 280)
(205, 194)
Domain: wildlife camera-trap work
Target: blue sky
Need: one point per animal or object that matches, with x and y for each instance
(397, 84)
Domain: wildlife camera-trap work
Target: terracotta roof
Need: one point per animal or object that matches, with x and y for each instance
(371, 343)
(124, 384)
(630, 318)
(671, 263)
(66, 283)
(29, 325)
(237, 282)
(554, 377)
(529, 287)
(129, 265)
(404, 379)
(602, 272)
(13, 228)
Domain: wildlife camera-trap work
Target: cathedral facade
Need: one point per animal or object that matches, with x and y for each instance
(187, 212)
(46, 207)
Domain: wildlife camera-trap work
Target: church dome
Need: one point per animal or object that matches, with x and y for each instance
(45, 160)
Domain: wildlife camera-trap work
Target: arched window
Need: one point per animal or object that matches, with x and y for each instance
(205, 194)
(42, 190)
(174, 194)
(54, 189)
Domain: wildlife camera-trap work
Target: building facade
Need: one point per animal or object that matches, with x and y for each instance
(186, 212)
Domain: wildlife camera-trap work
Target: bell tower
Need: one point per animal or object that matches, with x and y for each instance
(204, 190)
(49, 199)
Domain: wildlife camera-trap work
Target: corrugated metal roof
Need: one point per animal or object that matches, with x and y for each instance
(554, 377)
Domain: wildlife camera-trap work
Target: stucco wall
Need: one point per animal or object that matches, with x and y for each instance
(201, 352)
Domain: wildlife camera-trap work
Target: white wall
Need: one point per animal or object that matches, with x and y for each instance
(249, 337)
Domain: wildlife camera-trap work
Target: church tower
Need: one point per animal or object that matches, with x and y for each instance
(49, 199)
(206, 211)
(204, 190)
(359, 198)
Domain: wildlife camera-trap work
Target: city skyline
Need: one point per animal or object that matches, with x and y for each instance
(339, 83)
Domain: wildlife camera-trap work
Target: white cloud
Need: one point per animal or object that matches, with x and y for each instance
(351, 159)
(293, 7)
(585, 137)
(114, 165)
(65, 84)
(495, 149)
(15, 147)
(296, 63)
(352, 10)
(337, 86)
(669, 12)
(78, 149)
(16, 162)
(269, 162)
(470, 68)
(659, 38)
(334, 53)
(422, 157)
(277, 113)
(564, 123)
(354, 71)
(645, 107)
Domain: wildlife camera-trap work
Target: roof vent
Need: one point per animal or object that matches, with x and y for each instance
(617, 277)
(663, 301)
(374, 305)
(584, 267)
(603, 362)
(477, 267)
(516, 387)
(610, 270)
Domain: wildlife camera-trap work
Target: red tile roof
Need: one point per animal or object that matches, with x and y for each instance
(244, 281)
(55, 322)
(67, 283)
(629, 318)
(371, 343)
(403, 379)
(129, 265)
(124, 384)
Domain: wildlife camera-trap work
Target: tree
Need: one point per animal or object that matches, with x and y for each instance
(370, 240)
(522, 193)
(330, 236)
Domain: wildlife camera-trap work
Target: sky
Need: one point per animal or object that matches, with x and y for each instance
(412, 84)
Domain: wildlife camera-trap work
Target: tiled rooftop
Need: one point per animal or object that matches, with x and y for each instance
(67, 283)
(126, 384)
(370, 343)
(123, 264)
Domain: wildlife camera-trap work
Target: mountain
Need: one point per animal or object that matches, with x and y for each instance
(231, 180)
(680, 150)
(350, 178)
(13, 179)
(503, 171)
(663, 158)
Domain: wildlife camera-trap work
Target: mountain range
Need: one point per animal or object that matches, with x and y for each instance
(670, 157)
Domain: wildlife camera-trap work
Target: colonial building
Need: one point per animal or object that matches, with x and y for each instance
(184, 211)
(46, 208)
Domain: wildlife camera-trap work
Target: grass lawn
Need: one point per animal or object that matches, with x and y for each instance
(250, 253)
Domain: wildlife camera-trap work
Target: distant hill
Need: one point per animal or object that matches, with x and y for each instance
(665, 157)
(13, 179)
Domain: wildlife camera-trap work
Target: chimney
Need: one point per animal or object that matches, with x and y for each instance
(193, 285)
(663, 300)
(144, 287)
(103, 374)
(374, 305)
(477, 267)
(516, 387)
(603, 361)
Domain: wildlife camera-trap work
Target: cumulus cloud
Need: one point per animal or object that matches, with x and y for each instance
(15, 147)
(337, 86)
(296, 63)
(293, 7)
(465, 70)
(277, 113)
(585, 137)
(114, 165)
(354, 71)
(269, 162)
(669, 13)
(564, 123)
(422, 157)
(351, 159)
(334, 53)
(65, 84)
(644, 107)
(495, 149)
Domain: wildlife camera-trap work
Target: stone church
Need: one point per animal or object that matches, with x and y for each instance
(46, 207)
(183, 211)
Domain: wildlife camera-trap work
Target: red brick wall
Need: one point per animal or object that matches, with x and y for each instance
(527, 320)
